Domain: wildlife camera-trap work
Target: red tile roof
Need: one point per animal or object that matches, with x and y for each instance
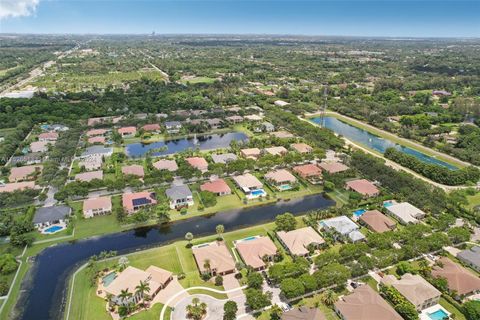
(333, 167)
(363, 187)
(198, 162)
(308, 170)
(97, 139)
(151, 127)
(127, 130)
(135, 169)
(217, 186)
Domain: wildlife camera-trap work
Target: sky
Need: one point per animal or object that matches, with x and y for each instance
(393, 18)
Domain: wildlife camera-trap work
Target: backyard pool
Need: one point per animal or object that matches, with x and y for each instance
(438, 315)
(53, 229)
(359, 212)
(387, 204)
(285, 187)
(258, 193)
(106, 280)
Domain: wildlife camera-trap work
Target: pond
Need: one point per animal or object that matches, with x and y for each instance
(375, 142)
(202, 142)
(44, 293)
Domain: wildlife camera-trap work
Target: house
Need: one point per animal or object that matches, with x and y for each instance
(46, 216)
(134, 170)
(343, 226)
(224, 158)
(97, 206)
(96, 140)
(97, 151)
(96, 132)
(179, 196)
(303, 313)
(48, 136)
(251, 153)
(198, 163)
(471, 257)
(301, 147)
(127, 131)
(40, 146)
(54, 127)
(234, 119)
(333, 167)
(405, 212)
(89, 176)
(16, 186)
(218, 187)
(364, 187)
(377, 221)
(281, 103)
(214, 123)
(276, 151)
(128, 280)
(91, 163)
(173, 126)
(282, 134)
(281, 179)
(248, 183)
(253, 118)
(460, 281)
(29, 158)
(309, 171)
(134, 201)
(365, 304)
(24, 173)
(297, 241)
(267, 127)
(415, 289)
(98, 120)
(255, 251)
(218, 258)
(153, 127)
(441, 93)
(164, 164)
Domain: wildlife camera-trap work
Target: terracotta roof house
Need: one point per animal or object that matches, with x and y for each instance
(405, 212)
(164, 164)
(217, 254)
(89, 176)
(14, 186)
(333, 167)
(377, 221)
(98, 120)
(310, 172)
(134, 170)
(97, 206)
(364, 187)
(134, 201)
(343, 226)
(24, 173)
(91, 163)
(127, 131)
(48, 136)
(415, 289)
(153, 127)
(281, 179)
(460, 280)
(471, 257)
(224, 158)
(198, 163)
(247, 182)
(218, 187)
(251, 153)
(254, 250)
(40, 146)
(297, 241)
(173, 126)
(96, 140)
(301, 147)
(365, 304)
(179, 196)
(276, 151)
(96, 132)
(234, 119)
(282, 134)
(303, 313)
(46, 216)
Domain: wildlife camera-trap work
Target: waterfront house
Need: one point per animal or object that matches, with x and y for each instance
(153, 127)
(97, 206)
(297, 241)
(97, 151)
(134, 170)
(214, 123)
(89, 176)
(255, 251)
(179, 196)
(165, 164)
(234, 119)
(127, 131)
(91, 163)
(281, 179)
(310, 172)
(219, 187)
(471, 257)
(173, 126)
(46, 216)
(213, 258)
(301, 147)
(253, 118)
(405, 212)
(342, 226)
(251, 153)
(24, 173)
(224, 158)
(248, 183)
(281, 103)
(134, 201)
(198, 163)
(377, 221)
(366, 188)
(461, 282)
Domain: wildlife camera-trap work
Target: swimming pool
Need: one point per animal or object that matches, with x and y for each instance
(258, 192)
(106, 280)
(284, 187)
(250, 238)
(438, 315)
(53, 229)
(359, 212)
(387, 204)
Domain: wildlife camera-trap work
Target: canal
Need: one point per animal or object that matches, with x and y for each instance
(44, 293)
(374, 142)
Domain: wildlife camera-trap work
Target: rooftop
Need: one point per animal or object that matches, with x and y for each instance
(97, 203)
(89, 176)
(308, 170)
(471, 255)
(132, 200)
(298, 240)
(165, 164)
(252, 251)
(333, 167)
(51, 214)
(151, 127)
(276, 151)
(303, 313)
(129, 279)
(413, 287)
(178, 192)
(302, 147)
(216, 186)
(280, 176)
(223, 158)
(282, 134)
(134, 169)
(217, 253)
(197, 162)
(363, 187)
(127, 130)
(14, 186)
(22, 173)
(377, 221)
(459, 279)
(96, 132)
(247, 180)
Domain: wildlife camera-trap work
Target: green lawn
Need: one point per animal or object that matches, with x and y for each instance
(451, 308)
(473, 201)
(198, 80)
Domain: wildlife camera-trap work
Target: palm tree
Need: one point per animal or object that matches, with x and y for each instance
(125, 296)
(220, 229)
(196, 310)
(142, 288)
(207, 265)
(189, 237)
(329, 297)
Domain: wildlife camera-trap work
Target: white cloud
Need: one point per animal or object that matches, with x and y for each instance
(17, 8)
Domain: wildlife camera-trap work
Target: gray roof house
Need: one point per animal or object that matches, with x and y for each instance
(179, 196)
(50, 215)
(471, 257)
(268, 127)
(97, 151)
(173, 126)
(344, 226)
(224, 158)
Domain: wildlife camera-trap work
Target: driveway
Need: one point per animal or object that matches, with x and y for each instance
(230, 283)
(172, 288)
(214, 307)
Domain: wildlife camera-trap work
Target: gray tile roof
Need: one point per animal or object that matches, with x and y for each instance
(472, 256)
(341, 224)
(50, 214)
(96, 150)
(223, 158)
(178, 192)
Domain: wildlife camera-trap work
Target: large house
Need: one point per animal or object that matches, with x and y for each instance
(97, 206)
(276, 151)
(91, 163)
(213, 258)
(301, 147)
(40, 146)
(333, 167)
(198, 163)
(48, 136)
(15, 186)
(248, 183)
(281, 179)
(127, 131)
(303, 313)
(156, 278)
(405, 212)
(89, 176)
(460, 281)
(153, 127)
(377, 221)
(96, 140)
(133, 170)
(282, 134)
(415, 289)
(100, 151)
(46, 216)
(365, 304)
(255, 251)
(96, 132)
(164, 164)
(24, 173)
(223, 158)
(297, 241)
(218, 187)
(343, 226)
(179, 196)
(471, 257)
(310, 172)
(251, 153)
(134, 201)
(173, 126)
(364, 187)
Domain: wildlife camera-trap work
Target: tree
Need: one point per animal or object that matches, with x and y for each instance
(329, 297)
(123, 262)
(142, 288)
(285, 222)
(405, 267)
(275, 312)
(196, 310)
(471, 309)
(256, 299)
(254, 280)
(219, 280)
(230, 309)
(220, 229)
(8, 264)
(292, 288)
(458, 234)
(209, 199)
(189, 238)
(330, 274)
(125, 297)
(207, 266)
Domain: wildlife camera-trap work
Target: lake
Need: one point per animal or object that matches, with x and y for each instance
(202, 142)
(44, 290)
(375, 142)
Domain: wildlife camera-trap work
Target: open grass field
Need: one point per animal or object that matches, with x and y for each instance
(196, 80)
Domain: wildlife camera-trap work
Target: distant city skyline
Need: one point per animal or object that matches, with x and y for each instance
(387, 18)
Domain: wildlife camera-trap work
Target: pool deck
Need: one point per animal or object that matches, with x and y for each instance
(424, 314)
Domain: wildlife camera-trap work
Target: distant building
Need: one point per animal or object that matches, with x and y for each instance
(301, 147)
(16, 186)
(127, 131)
(89, 176)
(173, 126)
(154, 127)
(276, 151)
(281, 103)
(333, 167)
(48, 136)
(96, 132)
(96, 140)
(251, 153)
(282, 134)
(134, 170)
(40, 146)
(234, 119)
(198, 163)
